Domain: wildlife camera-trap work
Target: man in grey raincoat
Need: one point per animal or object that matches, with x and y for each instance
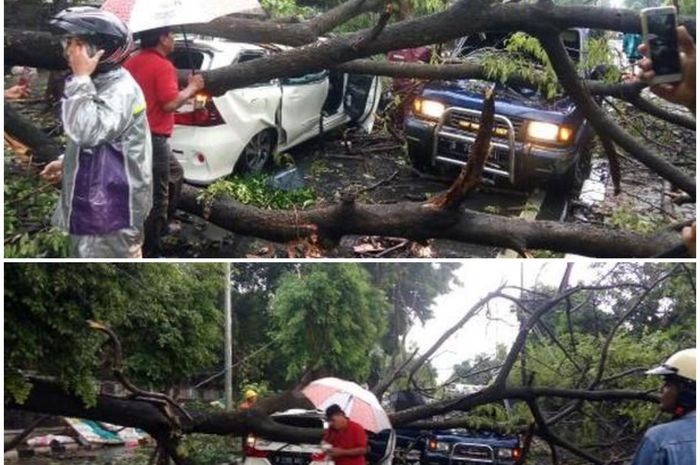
(107, 189)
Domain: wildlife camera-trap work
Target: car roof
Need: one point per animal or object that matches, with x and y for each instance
(222, 45)
(299, 412)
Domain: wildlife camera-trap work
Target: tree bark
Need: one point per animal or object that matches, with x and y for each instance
(420, 221)
(44, 148)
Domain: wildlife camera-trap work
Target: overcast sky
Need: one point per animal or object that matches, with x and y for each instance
(479, 334)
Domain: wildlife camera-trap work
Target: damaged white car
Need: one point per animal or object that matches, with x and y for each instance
(241, 130)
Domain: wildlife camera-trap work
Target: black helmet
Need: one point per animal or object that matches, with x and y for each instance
(100, 28)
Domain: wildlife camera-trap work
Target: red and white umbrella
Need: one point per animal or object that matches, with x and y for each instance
(142, 15)
(359, 404)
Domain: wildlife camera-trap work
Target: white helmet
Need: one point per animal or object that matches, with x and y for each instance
(681, 364)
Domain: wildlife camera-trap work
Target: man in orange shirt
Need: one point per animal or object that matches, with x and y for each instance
(347, 438)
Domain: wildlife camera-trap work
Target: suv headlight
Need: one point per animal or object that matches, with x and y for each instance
(549, 132)
(438, 446)
(428, 108)
(509, 454)
(504, 453)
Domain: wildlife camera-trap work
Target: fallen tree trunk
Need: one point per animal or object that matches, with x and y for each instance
(43, 147)
(603, 124)
(281, 32)
(419, 221)
(461, 19)
(48, 397)
(37, 49)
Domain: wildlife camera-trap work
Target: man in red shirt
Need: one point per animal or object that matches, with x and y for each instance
(157, 77)
(347, 438)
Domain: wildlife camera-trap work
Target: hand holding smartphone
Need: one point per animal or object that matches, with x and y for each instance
(660, 35)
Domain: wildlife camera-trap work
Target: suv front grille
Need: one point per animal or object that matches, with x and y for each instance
(470, 123)
(472, 453)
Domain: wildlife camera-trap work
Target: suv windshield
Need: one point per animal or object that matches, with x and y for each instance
(475, 45)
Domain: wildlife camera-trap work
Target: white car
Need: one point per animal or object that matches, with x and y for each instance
(259, 451)
(242, 129)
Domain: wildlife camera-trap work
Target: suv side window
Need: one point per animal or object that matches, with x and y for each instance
(572, 41)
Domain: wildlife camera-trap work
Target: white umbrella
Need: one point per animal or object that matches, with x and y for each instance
(142, 15)
(359, 404)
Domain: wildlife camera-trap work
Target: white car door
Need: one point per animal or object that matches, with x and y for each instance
(302, 103)
(362, 95)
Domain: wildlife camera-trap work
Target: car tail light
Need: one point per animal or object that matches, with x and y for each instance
(200, 158)
(250, 451)
(204, 113)
(318, 457)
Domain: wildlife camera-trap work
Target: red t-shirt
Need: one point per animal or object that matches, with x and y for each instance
(157, 78)
(350, 438)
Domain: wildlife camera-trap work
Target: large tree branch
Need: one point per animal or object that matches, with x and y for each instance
(281, 32)
(463, 18)
(474, 310)
(603, 124)
(423, 221)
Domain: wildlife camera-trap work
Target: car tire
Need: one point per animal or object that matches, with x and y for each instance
(572, 181)
(257, 153)
(420, 159)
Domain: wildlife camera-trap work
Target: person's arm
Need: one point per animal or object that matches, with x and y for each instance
(89, 118)
(16, 92)
(168, 95)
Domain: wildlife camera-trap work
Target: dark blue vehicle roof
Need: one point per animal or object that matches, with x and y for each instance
(511, 101)
(518, 103)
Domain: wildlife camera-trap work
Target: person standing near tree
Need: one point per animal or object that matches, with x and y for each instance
(251, 397)
(347, 439)
(673, 443)
(157, 77)
(106, 168)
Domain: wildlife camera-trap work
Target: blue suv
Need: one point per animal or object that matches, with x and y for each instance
(458, 447)
(535, 141)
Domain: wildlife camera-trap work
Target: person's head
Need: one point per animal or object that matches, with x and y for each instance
(250, 395)
(678, 389)
(161, 39)
(336, 417)
(96, 30)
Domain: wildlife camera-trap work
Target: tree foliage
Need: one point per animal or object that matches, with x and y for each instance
(328, 318)
(168, 317)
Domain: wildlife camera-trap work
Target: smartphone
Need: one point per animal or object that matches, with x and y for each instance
(659, 32)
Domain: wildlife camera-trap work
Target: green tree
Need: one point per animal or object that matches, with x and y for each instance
(328, 318)
(168, 317)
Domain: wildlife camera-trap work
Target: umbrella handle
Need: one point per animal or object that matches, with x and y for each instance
(187, 47)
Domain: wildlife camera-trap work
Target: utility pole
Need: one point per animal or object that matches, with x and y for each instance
(228, 356)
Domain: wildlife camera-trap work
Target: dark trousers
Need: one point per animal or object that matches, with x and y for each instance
(175, 180)
(167, 184)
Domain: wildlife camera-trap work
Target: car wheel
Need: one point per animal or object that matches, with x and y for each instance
(257, 152)
(572, 181)
(420, 159)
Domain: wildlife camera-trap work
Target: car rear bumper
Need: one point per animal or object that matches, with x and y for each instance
(532, 164)
(217, 145)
